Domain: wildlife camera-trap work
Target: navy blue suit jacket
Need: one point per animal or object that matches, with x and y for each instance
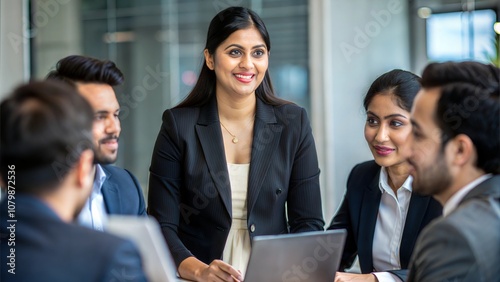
(49, 250)
(122, 192)
(189, 189)
(358, 214)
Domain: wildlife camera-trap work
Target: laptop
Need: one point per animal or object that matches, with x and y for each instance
(309, 256)
(145, 233)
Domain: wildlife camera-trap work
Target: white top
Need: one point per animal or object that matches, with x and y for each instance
(93, 213)
(389, 227)
(237, 249)
(454, 200)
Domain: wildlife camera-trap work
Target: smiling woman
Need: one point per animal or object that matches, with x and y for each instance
(232, 161)
(382, 215)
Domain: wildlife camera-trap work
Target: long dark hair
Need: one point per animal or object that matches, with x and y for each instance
(221, 27)
(404, 85)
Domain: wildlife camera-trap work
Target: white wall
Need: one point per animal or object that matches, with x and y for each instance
(14, 47)
(352, 43)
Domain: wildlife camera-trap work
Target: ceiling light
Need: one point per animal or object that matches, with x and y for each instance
(424, 12)
(496, 27)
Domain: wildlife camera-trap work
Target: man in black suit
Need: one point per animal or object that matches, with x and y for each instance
(115, 190)
(456, 158)
(47, 168)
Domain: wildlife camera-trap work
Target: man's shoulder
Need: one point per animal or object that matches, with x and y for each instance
(474, 213)
(472, 224)
(470, 239)
(82, 239)
(115, 173)
(95, 253)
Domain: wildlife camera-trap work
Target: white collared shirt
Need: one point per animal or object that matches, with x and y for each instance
(94, 213)
(389, 228)
(455, 199)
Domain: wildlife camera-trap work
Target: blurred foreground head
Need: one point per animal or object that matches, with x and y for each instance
(46, 135)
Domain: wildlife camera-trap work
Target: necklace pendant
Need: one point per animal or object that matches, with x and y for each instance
(235, 140)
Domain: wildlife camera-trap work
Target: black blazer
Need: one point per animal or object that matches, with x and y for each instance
(189, 189)
(50, 250)
(121, 192)
(358, 214)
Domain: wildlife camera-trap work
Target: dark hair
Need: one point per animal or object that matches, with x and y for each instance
(77, 68)
(404, 85)
(221, 27)
(469, 104)
(45, 127)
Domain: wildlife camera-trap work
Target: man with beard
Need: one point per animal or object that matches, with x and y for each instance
(456, 158)
(115, 190)
(46, 162)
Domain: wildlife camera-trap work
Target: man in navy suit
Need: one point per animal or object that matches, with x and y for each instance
(115, 190)
(46, 162)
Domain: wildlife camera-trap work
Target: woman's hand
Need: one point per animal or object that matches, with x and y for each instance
(217, 271)
(353, 277)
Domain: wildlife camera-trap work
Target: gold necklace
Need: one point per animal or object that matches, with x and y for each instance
(235, 139)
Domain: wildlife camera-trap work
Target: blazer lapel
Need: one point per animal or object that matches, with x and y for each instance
(266, 137)
(369, 213)
(111, 195)
(414, 218)
(210, 137)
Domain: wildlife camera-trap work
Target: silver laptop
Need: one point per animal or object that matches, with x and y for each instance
(310, 256)
(145, 233)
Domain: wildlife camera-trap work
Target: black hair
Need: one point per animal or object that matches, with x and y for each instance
(221, 27)
(45, 127)
(76, 68)
(469, 104)
(403, 85)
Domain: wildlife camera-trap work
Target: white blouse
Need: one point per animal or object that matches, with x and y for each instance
(237, 249)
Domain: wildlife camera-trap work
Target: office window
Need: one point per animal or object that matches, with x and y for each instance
(461, 36)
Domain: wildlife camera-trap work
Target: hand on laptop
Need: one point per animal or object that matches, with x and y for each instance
(352, 277)
(217, 271)
(220, 271)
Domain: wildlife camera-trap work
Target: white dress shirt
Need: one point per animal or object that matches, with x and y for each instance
(389, 227)
(94, 213)
(452, 203)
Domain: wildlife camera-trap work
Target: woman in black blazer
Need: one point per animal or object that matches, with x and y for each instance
(232, 161)
(382, 215)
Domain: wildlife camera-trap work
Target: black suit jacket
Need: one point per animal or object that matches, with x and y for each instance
(464, 245)
(189, 189)
(358, 214)
(122, 192)
(46, 249)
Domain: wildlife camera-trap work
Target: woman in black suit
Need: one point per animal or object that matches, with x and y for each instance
(381, 214)
(232, 160)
